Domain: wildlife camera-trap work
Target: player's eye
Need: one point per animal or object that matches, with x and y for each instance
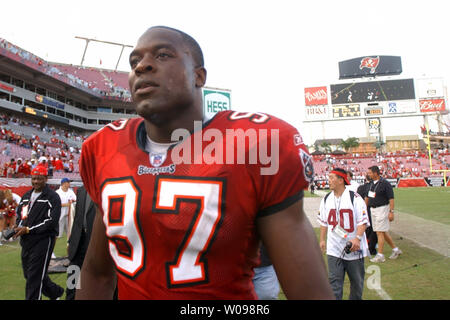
(134, 62)
(162, 55)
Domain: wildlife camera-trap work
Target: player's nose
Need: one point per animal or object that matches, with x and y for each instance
(146, 64)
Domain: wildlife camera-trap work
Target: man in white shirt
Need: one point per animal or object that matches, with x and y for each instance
(67, 197)
(338, 230)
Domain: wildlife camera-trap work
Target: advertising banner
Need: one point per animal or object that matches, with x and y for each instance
(316, 112)
(48, 101)
(395, 107)
(435, 181)
(432, 105)
(374, 126)
(214, 101)
(6, 88)
(316, 96)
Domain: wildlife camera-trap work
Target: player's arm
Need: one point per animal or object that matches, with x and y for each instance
(98, 277)
(323, 238)
(295, 253)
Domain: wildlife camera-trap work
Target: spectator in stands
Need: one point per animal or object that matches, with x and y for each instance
(380, 199)
(59, 166)
(16, 168)
(24, 170)
(7, 150)
(5, 170)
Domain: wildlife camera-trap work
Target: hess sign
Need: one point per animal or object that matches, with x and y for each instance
(374, 111)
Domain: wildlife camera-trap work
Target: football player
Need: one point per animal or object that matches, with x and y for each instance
(190, 230)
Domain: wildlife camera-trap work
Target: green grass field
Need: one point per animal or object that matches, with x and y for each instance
(308, 194)
(428, 203)
(12, 282)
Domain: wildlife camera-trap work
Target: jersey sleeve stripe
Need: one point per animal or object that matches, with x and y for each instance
(280, 206)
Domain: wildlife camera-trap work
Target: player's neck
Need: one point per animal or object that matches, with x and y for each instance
(161, 128)
(339, 191)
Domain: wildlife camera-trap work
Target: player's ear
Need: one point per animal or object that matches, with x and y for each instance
(200, 77)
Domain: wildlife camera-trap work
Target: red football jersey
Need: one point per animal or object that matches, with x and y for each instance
(188, 231)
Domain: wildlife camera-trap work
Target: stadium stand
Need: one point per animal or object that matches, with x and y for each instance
(393, 165)
(23, 140)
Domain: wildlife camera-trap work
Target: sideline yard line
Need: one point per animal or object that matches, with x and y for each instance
(426, 233)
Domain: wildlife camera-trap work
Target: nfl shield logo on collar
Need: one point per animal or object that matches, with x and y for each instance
(157, 159)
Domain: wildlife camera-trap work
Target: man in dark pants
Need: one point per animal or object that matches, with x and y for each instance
(37, 225)
(80, 235)
(265, 279)
(363, 191)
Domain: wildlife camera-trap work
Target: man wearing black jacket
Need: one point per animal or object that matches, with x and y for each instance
(37, 225)
(80, 234)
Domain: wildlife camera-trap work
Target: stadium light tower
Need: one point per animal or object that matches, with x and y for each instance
(101, 41)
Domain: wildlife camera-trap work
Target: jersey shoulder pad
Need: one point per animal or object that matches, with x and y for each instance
(113, 136)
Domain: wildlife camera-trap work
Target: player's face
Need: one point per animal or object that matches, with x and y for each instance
(333, 181)
(38, 182)
(162, 78)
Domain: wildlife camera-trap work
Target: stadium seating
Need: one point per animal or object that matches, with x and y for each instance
(392, 165)
(92, 76)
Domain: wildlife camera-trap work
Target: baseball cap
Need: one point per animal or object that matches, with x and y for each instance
(39, 171)
(65, 180)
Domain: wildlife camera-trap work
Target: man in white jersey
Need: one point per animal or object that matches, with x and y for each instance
(343, 219)
(67, 197)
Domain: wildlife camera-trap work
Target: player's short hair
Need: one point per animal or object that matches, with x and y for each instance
(193, 45)
(350, 174)
(375, 169)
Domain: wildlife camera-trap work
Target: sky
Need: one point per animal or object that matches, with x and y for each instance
(265, 52)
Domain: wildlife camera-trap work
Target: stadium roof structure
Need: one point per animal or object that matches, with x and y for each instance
(96, 85)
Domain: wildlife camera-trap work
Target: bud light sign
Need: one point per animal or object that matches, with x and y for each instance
(432, 105)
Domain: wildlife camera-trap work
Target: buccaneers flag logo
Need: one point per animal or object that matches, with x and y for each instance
(370, 63)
